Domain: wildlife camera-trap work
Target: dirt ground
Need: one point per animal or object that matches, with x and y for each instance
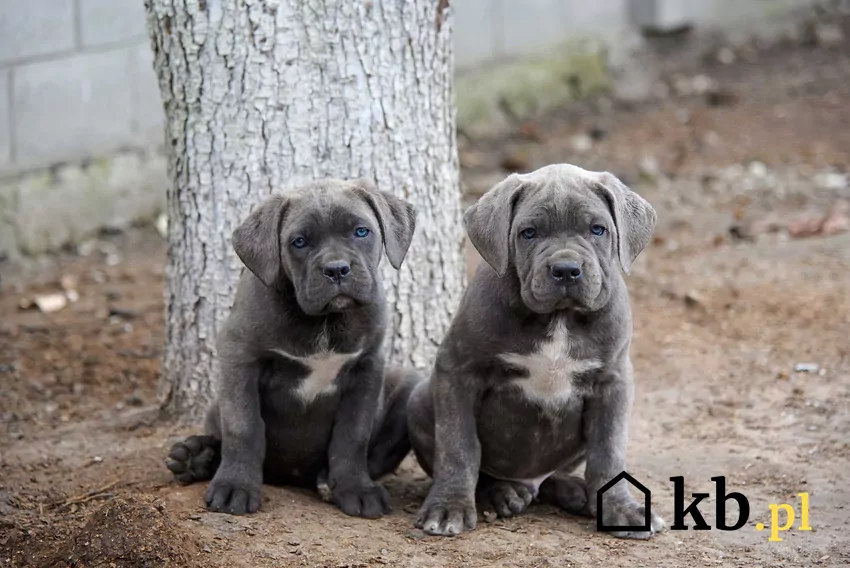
(729, 300)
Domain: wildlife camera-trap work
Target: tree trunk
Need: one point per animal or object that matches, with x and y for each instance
(262, 95)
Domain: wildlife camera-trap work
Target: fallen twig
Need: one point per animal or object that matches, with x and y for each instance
(89, 496)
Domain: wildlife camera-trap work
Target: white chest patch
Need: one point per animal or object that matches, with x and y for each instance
(551, 369)
(324, 367)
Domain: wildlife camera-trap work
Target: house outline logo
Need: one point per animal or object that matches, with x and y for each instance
(647, 504)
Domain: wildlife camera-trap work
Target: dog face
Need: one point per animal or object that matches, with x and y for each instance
(326, 239)
(562, 230)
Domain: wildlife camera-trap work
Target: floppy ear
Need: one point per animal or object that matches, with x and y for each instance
(488, 223)
(396, 217)
(633, 216)
(257, 240)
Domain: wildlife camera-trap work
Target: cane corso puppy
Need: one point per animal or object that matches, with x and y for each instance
(534, 378)
(303, 397)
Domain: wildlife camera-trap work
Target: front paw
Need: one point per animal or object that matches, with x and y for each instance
(362, 499)
(233, 492)
(628, 513)
(446, 514)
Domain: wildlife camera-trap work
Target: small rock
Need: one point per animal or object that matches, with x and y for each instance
(490, 517)
(694, 299)
(50, 303)
(828, 35)
(207, 549)
(113, 259)
(72, 295)
(294, 542)
(701, 84)
(417, 534)
(831, 180)
(581, 143)
(649, 168)
(726, 56)
(162, 225)
(806, 368)
(757, 169)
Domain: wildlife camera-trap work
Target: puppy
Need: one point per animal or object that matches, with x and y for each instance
(534, 377)
(303, 397)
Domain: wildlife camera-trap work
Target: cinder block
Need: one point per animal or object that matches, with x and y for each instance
(532, 25)
(474, 32)
(73, 108)
(150, 117)
(109, 21)
(35, 27)
(5, 121)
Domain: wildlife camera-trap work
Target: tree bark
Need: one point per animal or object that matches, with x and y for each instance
(264, 95)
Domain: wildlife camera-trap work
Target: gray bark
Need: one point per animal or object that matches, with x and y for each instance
(263, 95)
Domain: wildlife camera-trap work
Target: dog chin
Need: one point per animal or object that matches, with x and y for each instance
(554, 303)
(340, 304)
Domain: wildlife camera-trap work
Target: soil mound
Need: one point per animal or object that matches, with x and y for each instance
(132, 532)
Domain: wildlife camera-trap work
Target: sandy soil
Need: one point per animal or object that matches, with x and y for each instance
(721, 319)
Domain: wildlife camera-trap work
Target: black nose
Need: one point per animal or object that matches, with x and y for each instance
(336, 270)
(565, 270)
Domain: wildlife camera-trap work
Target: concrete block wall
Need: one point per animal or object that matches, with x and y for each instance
(81, 123)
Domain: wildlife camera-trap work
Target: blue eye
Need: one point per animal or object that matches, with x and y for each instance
(598, 230)
(299, 243)
(528, 233)
(361, 232)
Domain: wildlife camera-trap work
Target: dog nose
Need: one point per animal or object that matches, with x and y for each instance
(565, 270)
(336, 270)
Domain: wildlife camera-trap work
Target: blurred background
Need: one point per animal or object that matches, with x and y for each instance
(731, 117)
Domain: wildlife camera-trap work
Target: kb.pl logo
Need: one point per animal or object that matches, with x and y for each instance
(782, 515)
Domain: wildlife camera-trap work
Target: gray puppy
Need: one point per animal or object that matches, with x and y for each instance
(303, 398)
(534, 376)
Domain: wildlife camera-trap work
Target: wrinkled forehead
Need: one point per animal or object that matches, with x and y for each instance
(331, 205)
(562, 194)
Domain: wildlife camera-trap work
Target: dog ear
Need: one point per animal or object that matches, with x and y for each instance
(257, 240)
(396, 218)
(633, 216)
(488, 223)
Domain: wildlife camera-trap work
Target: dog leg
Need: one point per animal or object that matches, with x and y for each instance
(506, 498)
(606, 418)
(390, 441)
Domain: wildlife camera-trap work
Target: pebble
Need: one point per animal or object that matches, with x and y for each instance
(831, 181)
(806, 368)
(581, 143)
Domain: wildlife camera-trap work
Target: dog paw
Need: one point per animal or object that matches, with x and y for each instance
(630, 514)
(366, 499)
(565, 491)
(506, 498)
(233, 493)
(446, 515)
(194, 459)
